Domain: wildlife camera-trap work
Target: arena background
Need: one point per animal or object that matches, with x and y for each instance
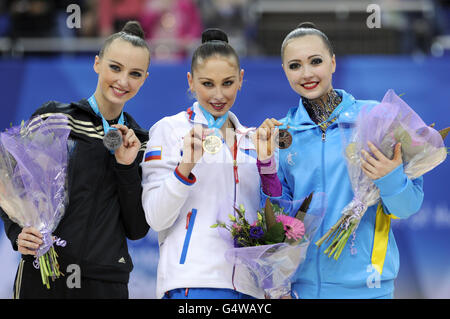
(409, 53)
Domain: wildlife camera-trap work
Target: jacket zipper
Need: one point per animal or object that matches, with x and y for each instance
(324, 136)
(236, 181)
(235, 167)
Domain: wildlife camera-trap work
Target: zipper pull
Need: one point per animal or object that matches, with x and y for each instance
(188, 218)
(235, 169)
(323, 136)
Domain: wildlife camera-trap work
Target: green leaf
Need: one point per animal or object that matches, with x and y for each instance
(444, 132)
(241, 215)
(269, 214)
(275, 234)
(304, 207)
(260, 218)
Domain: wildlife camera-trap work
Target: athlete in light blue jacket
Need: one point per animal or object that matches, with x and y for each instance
(315, 162)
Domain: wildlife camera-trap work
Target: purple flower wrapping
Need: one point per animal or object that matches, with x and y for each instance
(393, 121)
(271, 267)
(33, 165)
(390, 122)
(386, 124)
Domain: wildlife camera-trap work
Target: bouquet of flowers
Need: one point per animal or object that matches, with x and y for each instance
(386, 124)
(274, 245)
(33, 165)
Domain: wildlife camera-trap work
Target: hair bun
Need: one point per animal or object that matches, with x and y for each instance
(134, 28)
(214, 34)
(307, 25)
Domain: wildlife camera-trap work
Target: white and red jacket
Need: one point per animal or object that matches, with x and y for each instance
(182, 209)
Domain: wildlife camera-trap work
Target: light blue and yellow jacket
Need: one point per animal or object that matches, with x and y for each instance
(315, 162)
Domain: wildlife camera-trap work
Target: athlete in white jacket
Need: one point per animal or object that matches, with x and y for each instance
(185, 188)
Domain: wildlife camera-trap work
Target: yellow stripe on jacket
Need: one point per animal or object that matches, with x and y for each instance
(381, 238)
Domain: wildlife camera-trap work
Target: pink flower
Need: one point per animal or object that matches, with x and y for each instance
(237, 227)
(294, 228)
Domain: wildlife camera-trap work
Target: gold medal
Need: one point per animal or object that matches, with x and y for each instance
(212, 144)
(284, 139)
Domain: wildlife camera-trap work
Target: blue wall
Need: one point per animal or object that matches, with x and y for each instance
(422, 239)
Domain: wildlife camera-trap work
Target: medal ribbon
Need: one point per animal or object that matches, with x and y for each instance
(106, 127)
(215, 124)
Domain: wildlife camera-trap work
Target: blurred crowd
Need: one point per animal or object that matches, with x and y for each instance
(174, 27)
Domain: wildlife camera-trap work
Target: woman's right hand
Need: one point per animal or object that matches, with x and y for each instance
(264, 138)
(192, 150)
(29, 241)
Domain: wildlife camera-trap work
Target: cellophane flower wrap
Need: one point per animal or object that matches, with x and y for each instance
(33, 192)
(271, 243)
(390, 122)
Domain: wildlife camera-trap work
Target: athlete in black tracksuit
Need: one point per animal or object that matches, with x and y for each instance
(104, 210)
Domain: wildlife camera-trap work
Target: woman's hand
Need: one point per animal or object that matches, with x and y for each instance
(192, 150)
(264, 138)
(379, 166)
(127, 152)
(29, 241)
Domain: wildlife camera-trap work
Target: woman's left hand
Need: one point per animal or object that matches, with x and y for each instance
(127, 152)
(379, 166)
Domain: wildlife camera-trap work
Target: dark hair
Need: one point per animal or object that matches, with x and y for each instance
(132, 32)
(306, 28)
(214, 42)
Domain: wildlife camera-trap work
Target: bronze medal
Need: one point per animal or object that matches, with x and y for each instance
(284, 139)
(212, 144)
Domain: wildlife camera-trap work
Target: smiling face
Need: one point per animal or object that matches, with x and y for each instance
(309, 66)
(215, 82)
(121, 72)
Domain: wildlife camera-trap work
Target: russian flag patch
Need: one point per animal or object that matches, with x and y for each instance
(154, 153)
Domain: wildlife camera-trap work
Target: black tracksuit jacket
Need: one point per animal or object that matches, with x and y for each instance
(104, 207)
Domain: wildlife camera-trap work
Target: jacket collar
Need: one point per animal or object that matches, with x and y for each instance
(299, 119)
(129, 120)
